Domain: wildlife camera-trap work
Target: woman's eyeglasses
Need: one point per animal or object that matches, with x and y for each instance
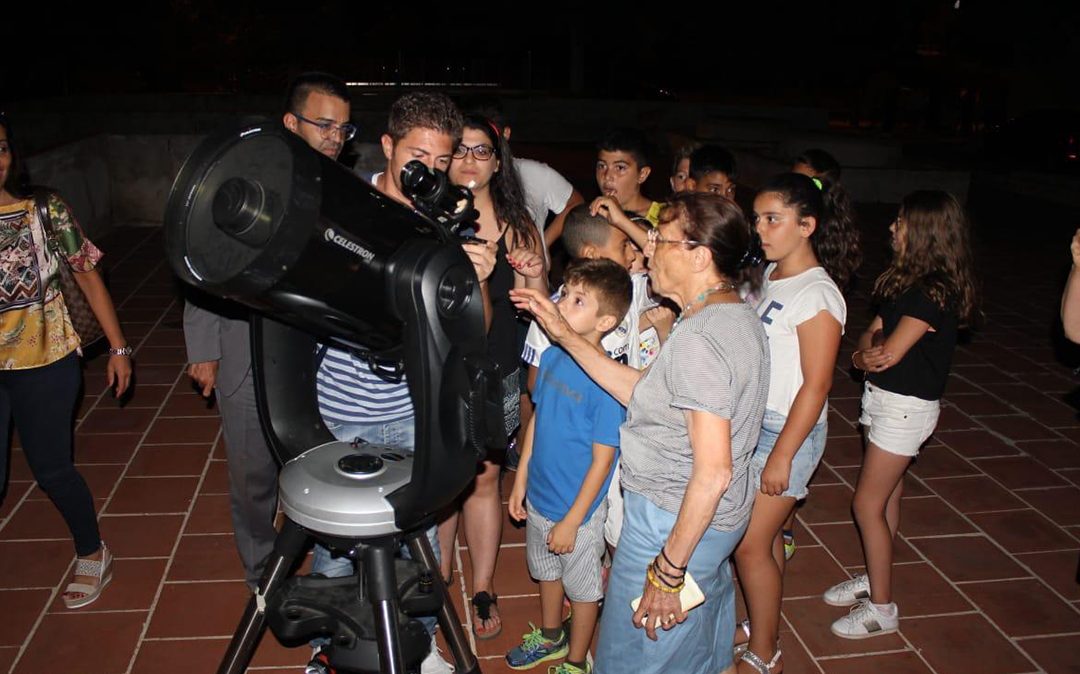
(654, 239)
(479, 152)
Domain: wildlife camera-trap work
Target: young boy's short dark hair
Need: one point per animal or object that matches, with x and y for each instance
(630, 141)
(581, 229)
(712, 159)
(304, 84)
(424, 110)
(608, 279)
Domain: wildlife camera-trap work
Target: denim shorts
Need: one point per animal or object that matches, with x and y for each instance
(703, 643)
(897, 423)
(803, 464)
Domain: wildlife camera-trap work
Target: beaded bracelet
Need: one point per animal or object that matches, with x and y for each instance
(664, 578)
(663, 553)
(657, 570)
(651, 577)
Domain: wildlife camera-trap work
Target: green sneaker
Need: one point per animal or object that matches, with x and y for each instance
(789, 543)
(567, 668)
(534, 649)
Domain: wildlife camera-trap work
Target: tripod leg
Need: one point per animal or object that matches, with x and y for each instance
(420, 549)
(289, 545)
(380, 580)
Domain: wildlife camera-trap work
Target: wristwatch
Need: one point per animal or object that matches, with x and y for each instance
(121, 351)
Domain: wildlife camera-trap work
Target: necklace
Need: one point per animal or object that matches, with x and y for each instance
(722, 287)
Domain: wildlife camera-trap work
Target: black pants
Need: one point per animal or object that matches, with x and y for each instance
(42, 401)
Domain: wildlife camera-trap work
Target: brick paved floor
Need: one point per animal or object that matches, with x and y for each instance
(986, 560)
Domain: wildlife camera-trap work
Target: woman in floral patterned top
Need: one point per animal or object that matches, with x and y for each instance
(40, 375)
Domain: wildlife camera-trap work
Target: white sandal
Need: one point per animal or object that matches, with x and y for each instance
(101, 569)
(757, 663)
(741, 648)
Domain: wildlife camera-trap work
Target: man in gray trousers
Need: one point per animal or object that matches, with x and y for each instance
(218, 339)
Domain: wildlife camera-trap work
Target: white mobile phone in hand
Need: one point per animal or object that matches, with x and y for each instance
(690, 597)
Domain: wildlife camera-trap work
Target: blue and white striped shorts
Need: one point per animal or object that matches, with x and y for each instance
(578, 570)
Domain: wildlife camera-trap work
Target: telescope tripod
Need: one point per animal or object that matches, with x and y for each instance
(363, 614)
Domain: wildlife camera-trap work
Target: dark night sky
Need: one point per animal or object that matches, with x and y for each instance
(798, 51)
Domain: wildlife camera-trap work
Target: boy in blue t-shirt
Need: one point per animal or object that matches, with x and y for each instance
(566, 462)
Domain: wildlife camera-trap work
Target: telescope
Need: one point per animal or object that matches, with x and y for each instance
(322, 259)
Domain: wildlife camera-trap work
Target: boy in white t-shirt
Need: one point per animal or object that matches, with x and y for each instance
(635, 342)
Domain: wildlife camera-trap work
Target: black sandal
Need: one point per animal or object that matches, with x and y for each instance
(483, 603)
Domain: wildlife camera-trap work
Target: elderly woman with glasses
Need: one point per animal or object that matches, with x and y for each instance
(692, 423)
(483, 163)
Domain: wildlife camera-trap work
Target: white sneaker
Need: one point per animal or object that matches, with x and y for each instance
(849, 592)
(434, 663)
(865, 621)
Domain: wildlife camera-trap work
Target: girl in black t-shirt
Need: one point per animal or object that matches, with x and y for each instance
(924, 296)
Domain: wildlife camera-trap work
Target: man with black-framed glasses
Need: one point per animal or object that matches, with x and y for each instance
(317, 110)
(217, 335)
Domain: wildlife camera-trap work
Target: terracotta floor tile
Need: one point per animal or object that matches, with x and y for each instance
(1070, 474)
(796, 658)
(210, 515)
(1023, 531)
(110, 448)
(974, 494)
(952, 419)
(823, 476)
(159, 374)
(828, 503)
(1019, 428)
(163, 337)
(34, 564)
(841, 427)
(1056, 655)
(185, 430)
(216, 480)
(162, 355)
(153, 495)
(1061, 504)
(21, 611)
(134, 585)
(35, 519)
(914, 487)
(964, 643)
(187, 403)
(1019, 472)
(1057, 569)
(979, 404)
(811, 571)
(843, 451)
(920, 590)
(957, 384)
(511, 574)
(206, 557)
(984, 374)
(7, 657)
(930, 516)
(141, 535)
(1023, 607)
(811, 618)
(849, 407)
(964, 558)
(112, 420)
(148, 395)
(156, 460)
(179, 656)
(975, 443)
(888, 663)
(843, 541)
(940, 461)
(88, 643)
(14, 495)
(198, 609)
(848, 475)
(1053, 453)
